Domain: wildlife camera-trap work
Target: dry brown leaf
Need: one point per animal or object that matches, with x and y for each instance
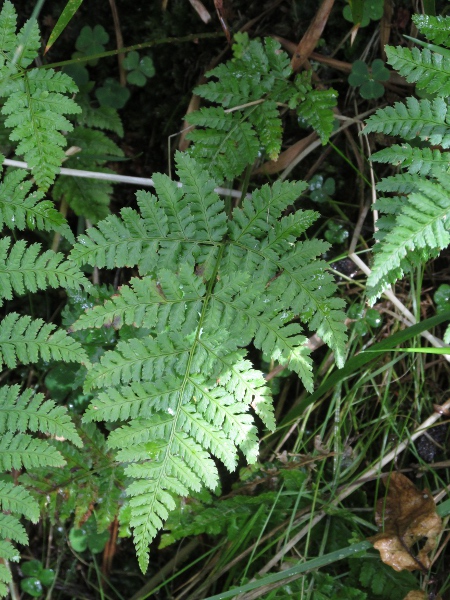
(408, 515)
(286, 157)
(420, 595)
(201, 10)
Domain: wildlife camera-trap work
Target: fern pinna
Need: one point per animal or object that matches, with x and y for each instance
(416, 220)
(181, 387)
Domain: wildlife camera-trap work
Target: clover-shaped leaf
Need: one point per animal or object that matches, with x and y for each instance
(112, 94)
(88, 537)
(140, 68)
(91, 42)
(321, 189)
(442, 298)
(336, 233)
(367, 80)
(372, 11)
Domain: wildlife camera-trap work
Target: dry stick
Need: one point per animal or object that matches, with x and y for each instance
(114, 177)
(119, 43)
(371, 473)
(434, 341)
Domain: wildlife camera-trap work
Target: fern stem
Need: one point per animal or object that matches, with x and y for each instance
(193, 37)
(248, 172)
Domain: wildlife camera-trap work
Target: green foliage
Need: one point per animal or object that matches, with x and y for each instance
(112, 94)
(208, 286)
(140, 69)
(29, 423)
(37, 578)
(436, 29)
(414, 225)
(372, 10)
(380, 580)
(36, 101)
(88, 537)
(91, 41)
(367, 80)
(247, 92)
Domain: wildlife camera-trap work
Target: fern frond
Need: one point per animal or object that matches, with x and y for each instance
(428, 70)
(425, 119)
(100, 117)
(23, 268)
(29, 411)
(209, 286)
(35, 104)
(26, 340)
(20, 210)
(249, 89)
(415, 160)
(436, 29)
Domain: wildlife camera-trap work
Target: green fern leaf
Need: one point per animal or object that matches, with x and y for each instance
(317, 111)
(19, 412)
(425, 119)
(402, 183)
(7, 552)
(428, 70)
(415, 160)
(26, 340)
(436, 29)
(421, 225)
(19, 210)
(227, 151)
(25, 269)
(35, 104)
(89, 198)
(16, 499)
(21, 450)
(249, 89)
(11, 528)
(100, 117)
(209, 286)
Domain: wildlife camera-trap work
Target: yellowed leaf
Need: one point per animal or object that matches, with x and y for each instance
(420, 595)
(408, 516)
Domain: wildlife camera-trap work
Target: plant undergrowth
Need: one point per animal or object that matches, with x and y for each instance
(212, 389)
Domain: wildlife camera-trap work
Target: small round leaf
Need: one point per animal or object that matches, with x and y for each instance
(32, 586)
